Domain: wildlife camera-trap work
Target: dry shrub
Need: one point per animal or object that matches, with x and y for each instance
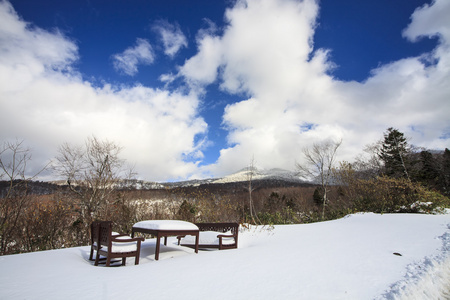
(389, 195)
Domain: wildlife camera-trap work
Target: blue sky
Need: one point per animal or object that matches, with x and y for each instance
(197, 88)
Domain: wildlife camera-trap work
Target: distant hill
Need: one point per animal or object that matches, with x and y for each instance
(32, 187)
(275, 175)
(263, 178)
(272, 174)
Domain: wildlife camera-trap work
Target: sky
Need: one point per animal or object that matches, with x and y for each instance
(195, 89)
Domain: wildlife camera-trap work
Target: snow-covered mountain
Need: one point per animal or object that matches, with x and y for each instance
(256, 174)
(240, 176)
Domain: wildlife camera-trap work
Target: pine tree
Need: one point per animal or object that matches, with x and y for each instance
(429, 173)
(318, 196)
(394, 153)
(445, 173)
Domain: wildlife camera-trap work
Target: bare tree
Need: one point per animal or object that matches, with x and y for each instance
(93, 172)
(368, 165)
(250, 188)
(319, 164)
(14, 198)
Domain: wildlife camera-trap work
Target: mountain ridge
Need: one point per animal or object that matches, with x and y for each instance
(270, 177)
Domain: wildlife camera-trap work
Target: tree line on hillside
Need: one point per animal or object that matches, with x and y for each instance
(393, 176)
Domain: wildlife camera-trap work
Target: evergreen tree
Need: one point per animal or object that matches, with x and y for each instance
(445, 173)
(318, 196)
(429, 173)
(394, 153)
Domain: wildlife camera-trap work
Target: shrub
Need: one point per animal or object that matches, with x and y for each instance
(389, 195)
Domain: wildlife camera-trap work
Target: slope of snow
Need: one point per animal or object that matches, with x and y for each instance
(350, 258)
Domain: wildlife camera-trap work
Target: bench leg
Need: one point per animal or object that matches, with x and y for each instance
(97, 258)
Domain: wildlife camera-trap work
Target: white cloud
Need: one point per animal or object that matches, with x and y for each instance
(430, 20)
(262, 39)
(46, 103)
(171, 36)
(266, 53)
(51, 51)
(201, 69)
(128, 61)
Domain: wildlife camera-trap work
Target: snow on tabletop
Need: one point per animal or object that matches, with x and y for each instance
(349, 258)
(166, 225)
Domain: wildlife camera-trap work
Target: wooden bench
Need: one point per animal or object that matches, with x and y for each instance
(214, 235)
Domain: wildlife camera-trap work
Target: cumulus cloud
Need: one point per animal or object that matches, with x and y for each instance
(264, 55)
(128, 61)
(171, 36)
(266, 52)
(51, 51)
(46, 103)
(201, 69)
(430, 20)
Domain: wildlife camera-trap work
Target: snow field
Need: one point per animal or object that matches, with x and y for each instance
(349, 258)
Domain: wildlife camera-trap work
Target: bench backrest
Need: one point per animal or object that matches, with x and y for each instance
(219, 227)
(95, 229)
(104, 234)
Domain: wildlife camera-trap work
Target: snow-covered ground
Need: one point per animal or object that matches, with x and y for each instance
(350, 258)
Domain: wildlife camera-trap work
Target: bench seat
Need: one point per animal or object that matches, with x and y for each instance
(213, 235)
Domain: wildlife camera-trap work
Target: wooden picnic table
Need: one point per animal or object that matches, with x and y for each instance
(165, 228)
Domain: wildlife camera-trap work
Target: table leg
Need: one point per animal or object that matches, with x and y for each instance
(158, 239)
(196, 242)
(165, 241)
